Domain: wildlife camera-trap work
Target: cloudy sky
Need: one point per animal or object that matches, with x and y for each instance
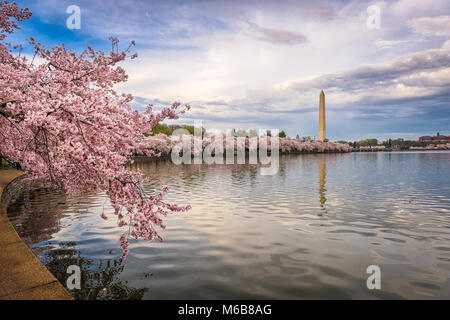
(262, 64)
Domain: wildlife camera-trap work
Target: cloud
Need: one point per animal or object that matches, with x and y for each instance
(435, 26)
(276, 35)
(411, 87)
(263, 63)
(407, 86)
(318, 10)
(420, 69)
(386, 44)
(446, 44)
(414, 85)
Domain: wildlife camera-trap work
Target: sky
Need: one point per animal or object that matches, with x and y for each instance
(262, 64)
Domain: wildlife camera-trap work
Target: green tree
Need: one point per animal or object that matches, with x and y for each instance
(161, 128)
(252, 133)
(242, 133)
(191, 129)
(3, 162)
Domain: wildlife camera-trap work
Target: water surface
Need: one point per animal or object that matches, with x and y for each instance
(310, 231)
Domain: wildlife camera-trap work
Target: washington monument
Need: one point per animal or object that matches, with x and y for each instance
(322, 126)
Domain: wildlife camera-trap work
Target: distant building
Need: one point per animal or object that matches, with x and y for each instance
(437, 137)
(432, 146)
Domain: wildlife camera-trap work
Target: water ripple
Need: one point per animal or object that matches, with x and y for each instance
(310, 231)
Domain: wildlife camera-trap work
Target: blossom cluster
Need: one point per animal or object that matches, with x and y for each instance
(440, 146)
(163, 144)
(67, 127)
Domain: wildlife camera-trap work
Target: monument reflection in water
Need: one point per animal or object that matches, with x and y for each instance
(322, 180)
(310, 231)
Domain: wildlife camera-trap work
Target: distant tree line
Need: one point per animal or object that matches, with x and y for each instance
(396, 144)
(253, 133)
(169, 129)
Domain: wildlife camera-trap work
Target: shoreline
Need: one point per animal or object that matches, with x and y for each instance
(406, 150)
(167, 156)
(22, 275)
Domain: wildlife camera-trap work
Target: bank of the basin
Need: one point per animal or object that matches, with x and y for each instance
(22, 275)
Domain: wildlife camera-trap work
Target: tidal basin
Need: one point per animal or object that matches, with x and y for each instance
(308, 232)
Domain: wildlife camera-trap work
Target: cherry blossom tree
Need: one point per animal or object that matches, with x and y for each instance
(65, 124)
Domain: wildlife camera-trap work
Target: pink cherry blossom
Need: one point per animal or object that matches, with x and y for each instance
(67, 127)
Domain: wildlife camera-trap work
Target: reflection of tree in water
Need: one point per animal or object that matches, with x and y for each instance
(37, 217)
(36, 222)
(32, 217)
(99, 278)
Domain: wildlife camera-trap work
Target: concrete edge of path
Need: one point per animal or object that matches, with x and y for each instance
(22, 275)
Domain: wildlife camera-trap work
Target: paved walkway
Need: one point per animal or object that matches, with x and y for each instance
(22, 275)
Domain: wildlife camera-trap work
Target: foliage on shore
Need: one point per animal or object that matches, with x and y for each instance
(164, 144)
